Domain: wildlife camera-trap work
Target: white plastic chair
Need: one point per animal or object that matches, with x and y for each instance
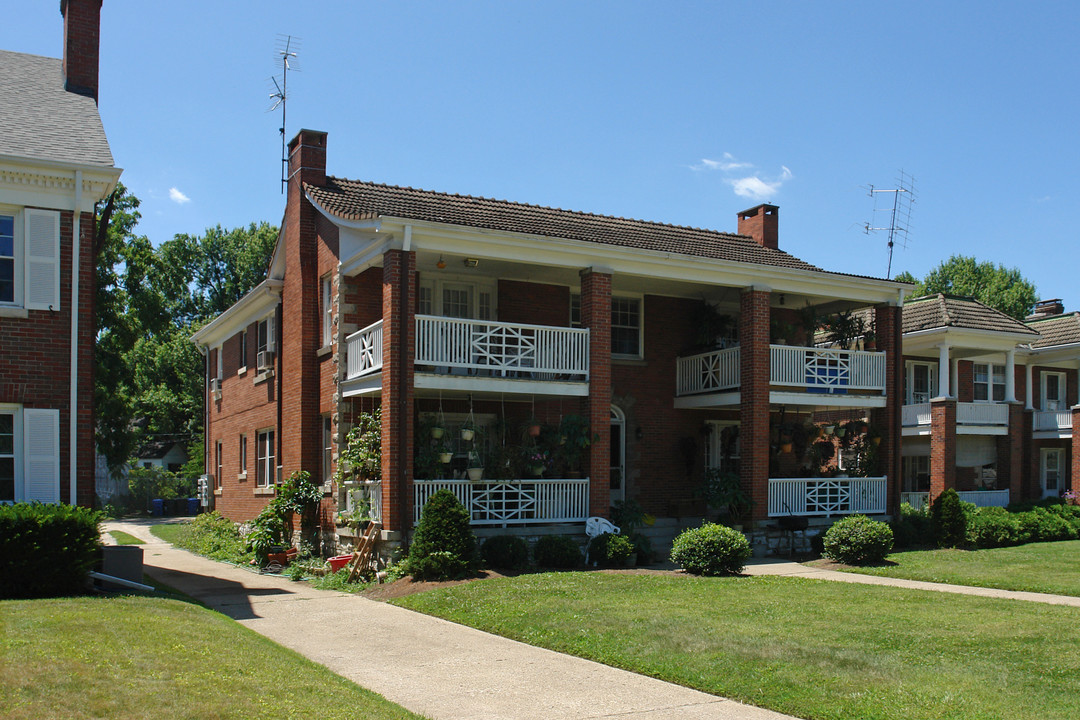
(594, 528)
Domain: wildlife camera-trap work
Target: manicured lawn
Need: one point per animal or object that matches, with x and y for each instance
(168, 531)
(1037, 567)
(138, 657)
(814, 649)
(123, 538)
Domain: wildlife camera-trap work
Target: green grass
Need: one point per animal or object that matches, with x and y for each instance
(1052, 567)
(123, 538)
(139, 657)
(169, 532)
(814, 649)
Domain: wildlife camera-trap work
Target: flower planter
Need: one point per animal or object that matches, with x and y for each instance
(282, 558)
(339, 561)
(536, 470)
(467, 434)
(534, 430)
(445, 457)
(476, 474)
(437, 432)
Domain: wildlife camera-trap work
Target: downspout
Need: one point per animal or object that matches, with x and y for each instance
(403, 379)
(73, 400)
(205, 352)
(279, 344)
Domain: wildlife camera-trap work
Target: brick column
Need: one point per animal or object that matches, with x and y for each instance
(942, 445)
(596, 315)
(1018, 438)
(1074, 464)
(887, 323)
(754, 392)
(399, 303)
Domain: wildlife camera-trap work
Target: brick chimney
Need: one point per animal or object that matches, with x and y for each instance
(307, 156)
(761, 223)
(82, 24)
(1046, 308)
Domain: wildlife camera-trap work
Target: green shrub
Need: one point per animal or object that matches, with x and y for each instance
(611, 549)
(948, 522)
(912, 527)
(711, 550)
(1070, 513)
(858, 540)
(992, 527)
(505, 551)
(444, 527)
(1048, 526)
(557, 551)
(214, 536)
(46, 550)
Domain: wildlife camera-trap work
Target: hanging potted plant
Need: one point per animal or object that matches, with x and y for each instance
(533, 427)
(475, 468)
(536, 461)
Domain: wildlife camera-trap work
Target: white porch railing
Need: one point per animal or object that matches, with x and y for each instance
(505, 349)
(707, 372)
(972, 413)
(918, 414)
(979, 498)
(512, 502)
(826, 369)
(826, 496)
(1052, 420)
(364, 351)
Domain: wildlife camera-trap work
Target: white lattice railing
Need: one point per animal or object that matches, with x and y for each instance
(364, 351)
(918, 414)
(826, 369)
(972, 413)
(707, 372)
(826, 496)
(979, 498)
(512, 502)
(1052, 420)
(506, 349)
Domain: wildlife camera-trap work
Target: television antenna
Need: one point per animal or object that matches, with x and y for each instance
(285, 52)
(899, 227)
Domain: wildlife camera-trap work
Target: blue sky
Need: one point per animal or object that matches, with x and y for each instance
(680, 112)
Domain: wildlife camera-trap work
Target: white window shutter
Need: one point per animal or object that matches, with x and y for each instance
(42, 278)
(41, 455)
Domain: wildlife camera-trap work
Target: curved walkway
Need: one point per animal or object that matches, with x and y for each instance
(430, 666)
(794, 569)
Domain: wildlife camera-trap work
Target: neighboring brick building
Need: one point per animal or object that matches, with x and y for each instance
(680, 348)
(987, 401)
(55, 166)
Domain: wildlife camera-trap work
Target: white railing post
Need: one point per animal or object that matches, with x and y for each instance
(707, 372)
(364, 351)
(826, 369)
(827, 496)
(513, 502)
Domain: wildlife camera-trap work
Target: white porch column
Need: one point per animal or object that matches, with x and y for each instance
(1010, 376)
(956, 376)
(1027, 385)
(943, 370)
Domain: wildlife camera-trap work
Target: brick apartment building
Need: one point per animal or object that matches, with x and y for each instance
(989, 401)
(681, 349)
(55, 166)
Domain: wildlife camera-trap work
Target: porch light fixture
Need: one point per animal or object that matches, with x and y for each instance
(441, 264)
(471, 262)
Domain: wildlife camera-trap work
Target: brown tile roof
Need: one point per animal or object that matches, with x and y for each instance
(1056, 330)
(940, 310)
(356, 200)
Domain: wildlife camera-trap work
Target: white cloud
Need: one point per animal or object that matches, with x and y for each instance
(726, 164)
(757, 188)
(178, 197)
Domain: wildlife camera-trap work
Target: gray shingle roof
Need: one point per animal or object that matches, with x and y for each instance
(1056, 330)
(41, 120)
(940, 310)
(356, 200)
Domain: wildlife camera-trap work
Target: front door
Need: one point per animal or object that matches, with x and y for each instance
(618, 455)
(1050, 471)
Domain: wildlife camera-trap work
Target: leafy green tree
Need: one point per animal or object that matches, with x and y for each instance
(1001, 288)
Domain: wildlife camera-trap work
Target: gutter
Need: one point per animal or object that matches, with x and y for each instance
(73, 399)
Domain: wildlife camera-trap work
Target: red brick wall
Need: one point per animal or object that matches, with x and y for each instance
(535, 303)
(35, 359)
(965, 392)
(942, 446)
(397, 388)
(754, 388)
(596, 315)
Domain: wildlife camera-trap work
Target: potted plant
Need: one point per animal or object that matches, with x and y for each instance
(468, 430)
(574, 431)
(362, 453)
(532, 427)
(475, 468)
(723, 490)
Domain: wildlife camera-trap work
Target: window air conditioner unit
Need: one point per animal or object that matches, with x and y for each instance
(265, 360)
(215, 387)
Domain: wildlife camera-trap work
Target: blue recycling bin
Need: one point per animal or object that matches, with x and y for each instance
(193, 506)
(157, 507)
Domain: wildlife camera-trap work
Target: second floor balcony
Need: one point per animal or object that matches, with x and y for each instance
(455, 353)
(969, 416)
(825, 376)
(1052, 424)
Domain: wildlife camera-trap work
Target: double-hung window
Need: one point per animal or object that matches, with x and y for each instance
(625, 324)
(29, 454)
(242, 456)
(241, 352)
(1053, 391)
(989, 382)
(266, 334)
(920, 382)
(265, 453)
(29, 259)
(217, 464)
(327, 448)
(327, 312)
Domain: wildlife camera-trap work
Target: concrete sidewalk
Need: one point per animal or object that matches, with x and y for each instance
(430, 666)
(793, 569)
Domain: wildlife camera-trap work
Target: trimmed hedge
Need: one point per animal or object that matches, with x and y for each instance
(912, 528)
(46, 550)
(505, 551)
(857, 540)
(557, 551)
(711, 550)
(611, 549)
(444, 527)
(948, 520)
